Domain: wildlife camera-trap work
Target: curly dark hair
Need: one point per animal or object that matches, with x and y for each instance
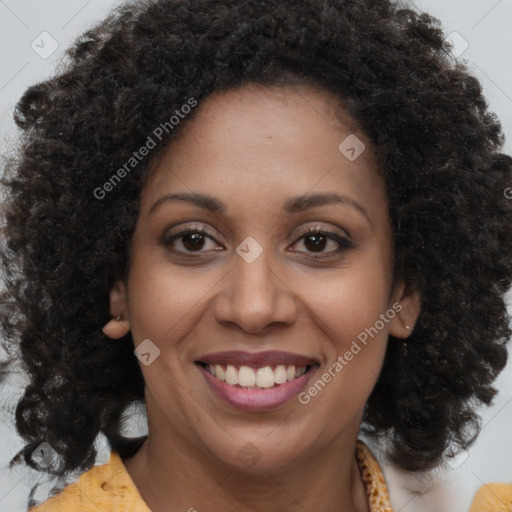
(437, 146)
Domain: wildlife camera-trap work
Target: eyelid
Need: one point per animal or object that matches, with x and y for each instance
(328, 230)
(169, 239)
(344, 241)
(183, 229)
(301, 232)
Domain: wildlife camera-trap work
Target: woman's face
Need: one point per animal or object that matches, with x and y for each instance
(268, 163)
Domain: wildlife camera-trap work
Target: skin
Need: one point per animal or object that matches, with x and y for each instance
(253, 148)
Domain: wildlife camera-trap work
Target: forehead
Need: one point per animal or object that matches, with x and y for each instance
(282, 140)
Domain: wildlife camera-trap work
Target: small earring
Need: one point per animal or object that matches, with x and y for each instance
(118, 318)
(408, 327)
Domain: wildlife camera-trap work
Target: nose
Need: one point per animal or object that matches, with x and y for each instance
(254, 296)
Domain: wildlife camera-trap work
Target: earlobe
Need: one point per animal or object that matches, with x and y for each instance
(116, 329)
(119, 326)
(402, 325)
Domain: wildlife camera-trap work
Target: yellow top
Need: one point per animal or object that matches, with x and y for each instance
(109, 488)
(493, 498)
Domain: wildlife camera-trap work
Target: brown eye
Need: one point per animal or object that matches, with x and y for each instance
(317, 241)
(193, 241)
(189, 241)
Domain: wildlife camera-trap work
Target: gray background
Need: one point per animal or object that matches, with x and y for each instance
(484, 26)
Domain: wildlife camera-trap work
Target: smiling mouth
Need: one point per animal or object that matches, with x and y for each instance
(265, 377)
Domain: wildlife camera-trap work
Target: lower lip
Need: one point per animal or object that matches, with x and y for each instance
(257, 399)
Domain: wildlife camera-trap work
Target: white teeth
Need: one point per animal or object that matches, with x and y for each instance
(299, 372)
(231, 375)
(218, 371)
(264, 377)
(280, 374)
(246, 376)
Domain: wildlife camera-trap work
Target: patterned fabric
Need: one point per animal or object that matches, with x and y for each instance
(493, 498)
(373, 478)
(105, 488)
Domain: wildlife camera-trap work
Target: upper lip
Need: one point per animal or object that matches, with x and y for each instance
(257, 359)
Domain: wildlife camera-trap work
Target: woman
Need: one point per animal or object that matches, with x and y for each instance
(276, 224)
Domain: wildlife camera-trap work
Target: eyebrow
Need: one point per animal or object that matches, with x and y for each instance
(293, 205)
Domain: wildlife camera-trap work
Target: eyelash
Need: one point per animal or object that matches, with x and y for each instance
(344, 243)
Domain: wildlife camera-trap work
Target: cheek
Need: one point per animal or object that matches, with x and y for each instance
(349, 311)
(352, 309)
(162, 301)
(350, 300)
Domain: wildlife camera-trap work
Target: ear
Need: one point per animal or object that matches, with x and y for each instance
(408, 311)
(118, 309)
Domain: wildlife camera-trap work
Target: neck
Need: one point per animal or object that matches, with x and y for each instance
(172, 474)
